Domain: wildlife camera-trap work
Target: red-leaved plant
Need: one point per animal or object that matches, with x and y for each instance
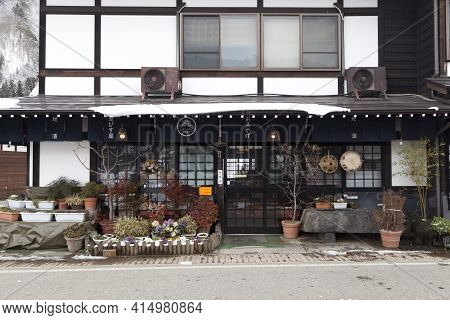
(204, 211)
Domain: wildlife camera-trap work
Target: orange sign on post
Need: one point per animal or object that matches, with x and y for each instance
(205, 191)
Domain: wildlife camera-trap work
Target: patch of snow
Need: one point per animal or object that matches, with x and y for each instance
(35, 91)
(334, 253)
(433, 108)
(30, 258)
(8, 103)
(83, 257)
(205, 108)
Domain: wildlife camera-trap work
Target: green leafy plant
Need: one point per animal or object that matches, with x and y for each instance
(92, 190)
(62, 188)
(8, 210)
(76, 231)
(131, 227)
(187, 224)
(441, 226)
(391, 217)
(420, 163)
(74, 200)
(204, 211)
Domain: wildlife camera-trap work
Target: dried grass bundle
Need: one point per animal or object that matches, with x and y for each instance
(391, 217)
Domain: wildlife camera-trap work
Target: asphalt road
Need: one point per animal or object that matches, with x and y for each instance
(314, 281)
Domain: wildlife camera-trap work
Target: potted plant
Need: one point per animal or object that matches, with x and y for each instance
(204, 212)
(37, 215)
(188, 226)
(420, 162)
(300, 164)
(45, 204)
(61, 188)
(340, 204)
(91, 192)
(178, 197)
(390, 219)
(441, 228)
(168, 230)
(10, 215)
(15, 202)
(75, 202)
(75, 235)
(131, 227)
(322, 203)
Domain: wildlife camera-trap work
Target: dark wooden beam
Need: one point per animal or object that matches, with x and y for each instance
(36, 165)
(381, 32)
(98, 48)
(136, 73)
(164, 11)
(442, 37)
(260, 85)
(42, 45)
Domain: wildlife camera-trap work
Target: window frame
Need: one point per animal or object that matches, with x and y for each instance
(447, 30)
(220, 15)
(260, 41)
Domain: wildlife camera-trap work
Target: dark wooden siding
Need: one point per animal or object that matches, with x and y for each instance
(425, 35)
(408, 53)
(13, 173)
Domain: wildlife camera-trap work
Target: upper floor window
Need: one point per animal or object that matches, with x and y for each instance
(288, 42)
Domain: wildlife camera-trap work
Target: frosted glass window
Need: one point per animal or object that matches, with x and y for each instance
(239, 41)
(320, 42)
(281, 42)
(201, 42)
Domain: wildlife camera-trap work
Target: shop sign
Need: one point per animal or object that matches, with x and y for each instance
(186, 127)
(205, 191)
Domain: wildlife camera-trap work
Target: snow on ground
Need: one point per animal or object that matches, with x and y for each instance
(30, 258)
(379, 252)
(83, 257)
(208, 108)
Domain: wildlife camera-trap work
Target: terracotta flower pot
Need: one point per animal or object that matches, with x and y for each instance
(62, 205)
(107, 226)
(323, 205)
(390, 239)
(9, 217)
(90, 203)
(291, 229)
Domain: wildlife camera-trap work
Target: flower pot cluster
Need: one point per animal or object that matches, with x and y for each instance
(440, 232)
(390, 219)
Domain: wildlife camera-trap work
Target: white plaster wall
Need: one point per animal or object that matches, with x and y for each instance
(448, 69)
(301, 86)
(397, 179)
(299, 3)
(131, 42)
(57, 159)
(70, 41)
(139, 3)
(361, 42)
(360, 3)
(121, 86)
(220, 86)
(221, 3)
(70, 2)
(69, 86)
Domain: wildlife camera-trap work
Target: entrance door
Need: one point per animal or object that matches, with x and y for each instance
(245, 190)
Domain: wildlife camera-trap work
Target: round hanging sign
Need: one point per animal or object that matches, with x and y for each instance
(329, 164)
(186, 127)
(351, 161)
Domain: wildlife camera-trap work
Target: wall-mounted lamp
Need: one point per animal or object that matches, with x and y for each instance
(122, 135)
(274, 135)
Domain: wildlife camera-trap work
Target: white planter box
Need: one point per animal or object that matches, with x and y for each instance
(46, 205)
(29, 205)
(16, 204)
(37, 217)
(340, 205)
(70, 216)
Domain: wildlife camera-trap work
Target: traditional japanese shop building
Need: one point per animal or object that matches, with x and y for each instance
(245, 76)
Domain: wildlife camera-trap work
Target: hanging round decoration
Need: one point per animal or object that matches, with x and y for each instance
(186, 127)
(329, 164)
(351, 161)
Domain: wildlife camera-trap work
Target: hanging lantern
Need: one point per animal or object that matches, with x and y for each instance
(122, 135)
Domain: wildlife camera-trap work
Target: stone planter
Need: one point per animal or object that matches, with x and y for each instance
(37, 216)
(390, 239)
(70, 216)
(9, 216)
(29, 205)
(291, 229)
(75, 244)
